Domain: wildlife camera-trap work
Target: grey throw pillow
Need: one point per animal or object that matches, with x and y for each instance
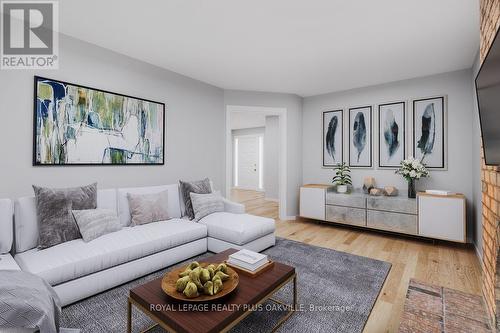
(147, 208)
(53, 208)
(197, 186)
(206, 204)
(94, 223)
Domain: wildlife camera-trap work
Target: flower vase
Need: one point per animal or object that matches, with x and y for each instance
(412, 193)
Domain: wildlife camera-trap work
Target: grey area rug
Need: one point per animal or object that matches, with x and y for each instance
(336, 293)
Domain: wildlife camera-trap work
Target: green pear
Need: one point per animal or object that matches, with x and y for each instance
(208, 288)
(180, 285)
(222, 276)
(193, 265)
(191, 291)
(195, 278)
(204, 275)
(217, 285)
(185, 273)
(221, 268)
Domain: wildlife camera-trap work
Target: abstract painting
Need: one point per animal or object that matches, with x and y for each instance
(78, 125)
(391, 134)
(429, 132)
(360, 137)
(333, 137)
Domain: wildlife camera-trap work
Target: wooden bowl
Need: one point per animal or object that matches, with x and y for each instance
(169, 280)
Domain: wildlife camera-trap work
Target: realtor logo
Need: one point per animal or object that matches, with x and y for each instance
(29, 35)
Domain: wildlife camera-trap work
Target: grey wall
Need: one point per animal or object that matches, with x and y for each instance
(477, 208)
(458, 87)
(194, 130)
(293, 104)
(271, 157)
(248, 131)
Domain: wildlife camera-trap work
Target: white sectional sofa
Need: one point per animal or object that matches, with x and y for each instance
(6, 236)
(77, 269)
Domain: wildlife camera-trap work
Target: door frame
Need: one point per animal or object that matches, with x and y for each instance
(268, 111)
(232, 163)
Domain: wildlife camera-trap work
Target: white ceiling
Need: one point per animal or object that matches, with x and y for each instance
(306, 47)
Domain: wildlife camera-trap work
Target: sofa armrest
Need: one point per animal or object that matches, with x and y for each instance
(233, 207)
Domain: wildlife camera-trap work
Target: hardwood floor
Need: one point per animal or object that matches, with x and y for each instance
(445, 264)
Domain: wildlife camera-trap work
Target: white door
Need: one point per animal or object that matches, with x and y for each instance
(247, 162)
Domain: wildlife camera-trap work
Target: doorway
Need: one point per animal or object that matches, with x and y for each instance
(256, 153)
(248, 162)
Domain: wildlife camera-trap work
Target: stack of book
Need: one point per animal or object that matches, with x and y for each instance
(249, 260)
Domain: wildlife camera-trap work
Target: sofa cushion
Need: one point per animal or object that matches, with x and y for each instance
(5, 225)
(147, 208)
(174, 208)
(203, 186)
(206, 204)
(26, 224)
(74, 259)
(93, 223)
(237, 228)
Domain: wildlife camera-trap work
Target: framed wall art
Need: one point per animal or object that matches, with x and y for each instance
(79, 125)
(360, 137)
(391, 134)
(333, 138)
(429, 131)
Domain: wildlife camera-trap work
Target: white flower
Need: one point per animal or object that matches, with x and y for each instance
(413, 174)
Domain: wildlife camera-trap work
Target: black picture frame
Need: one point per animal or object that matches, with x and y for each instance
(368, 166)
(443, 165)
(35, 163)
(341, 126)
(388, 166)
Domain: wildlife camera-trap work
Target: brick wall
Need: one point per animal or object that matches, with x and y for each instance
(490, 178)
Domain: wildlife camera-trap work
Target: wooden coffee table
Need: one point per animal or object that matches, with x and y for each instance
(219, 316)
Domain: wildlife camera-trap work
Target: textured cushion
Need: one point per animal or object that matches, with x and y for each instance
(71, 260)
(5, 225)
(206, 204)
(94, 223)
(237, 228)
(8, 263)
(147, 208)
(26, 224)
(53, 208)
(174, 208)
(197, 186)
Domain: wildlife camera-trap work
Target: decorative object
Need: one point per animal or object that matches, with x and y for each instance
(148, 207)
(412, 169)
(310, 261)
(333, 138)
(262, 269)
(360, 137)
(391, 134)
(391, 191)
(206, 204)
(200, 282)
(197, 186)
(78, 125)
(429, 132)
(342, 177)
(368, 184)
(94, 223)
(54, 212)
(377, 192)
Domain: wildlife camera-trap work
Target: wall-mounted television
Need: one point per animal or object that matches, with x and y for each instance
(488, 98)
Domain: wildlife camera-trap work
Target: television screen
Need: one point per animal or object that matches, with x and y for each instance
(488, 97)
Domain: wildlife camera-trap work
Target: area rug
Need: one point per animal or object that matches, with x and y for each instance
(336, 293)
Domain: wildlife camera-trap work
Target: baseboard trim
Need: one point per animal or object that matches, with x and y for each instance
(289, 218)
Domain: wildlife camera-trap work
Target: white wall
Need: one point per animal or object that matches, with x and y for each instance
(241, 120)
(293, 104)
(194, 129)
(456, 85)
(271, 157)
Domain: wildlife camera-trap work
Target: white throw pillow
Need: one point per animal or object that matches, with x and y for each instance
(206, 204)
(94, 223)
(147, 208)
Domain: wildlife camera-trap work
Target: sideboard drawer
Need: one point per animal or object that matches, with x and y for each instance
(346, 200)
(347, 215)
(403, 223)
(393, 204)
